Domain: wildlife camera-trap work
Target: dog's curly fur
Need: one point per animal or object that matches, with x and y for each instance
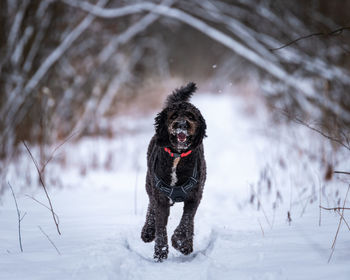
(177, 111)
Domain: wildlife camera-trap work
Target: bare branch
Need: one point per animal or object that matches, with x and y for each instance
(320, 201)
(19, 218)
(44, 24)
(18, 52)
(303, 88)
(262, 230)
(44, 187)
(42, 205)
(297, 120)
(25, 213)
(345, 137)
(331, 255)
(13, 34)
(334, 208)
(15, 113)
(260, 204)
(129, 33)
(340, 220)
(108, 13)
(342, 216)
(48, 238)
(289, 218)
(59, 146)
(331, 33)
(58, 52)
(300, 121)
(106, 53)
(342, 172)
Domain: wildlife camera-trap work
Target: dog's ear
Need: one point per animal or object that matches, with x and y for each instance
(201, 131)
(162, 134)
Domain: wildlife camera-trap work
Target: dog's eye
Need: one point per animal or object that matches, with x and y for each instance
(190, 116)
(173, 116)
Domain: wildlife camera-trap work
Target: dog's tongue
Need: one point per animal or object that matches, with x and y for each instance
(181, 137)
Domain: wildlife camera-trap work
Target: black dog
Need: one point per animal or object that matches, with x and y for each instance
(176, 172)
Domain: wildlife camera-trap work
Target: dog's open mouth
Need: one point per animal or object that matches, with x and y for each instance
(181, 137)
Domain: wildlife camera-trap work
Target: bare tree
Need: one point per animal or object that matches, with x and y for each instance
(305, 91)
(39, 70)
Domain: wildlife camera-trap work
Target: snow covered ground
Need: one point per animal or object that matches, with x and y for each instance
(241, 228)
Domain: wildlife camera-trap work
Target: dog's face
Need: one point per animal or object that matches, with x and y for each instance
(180, 126)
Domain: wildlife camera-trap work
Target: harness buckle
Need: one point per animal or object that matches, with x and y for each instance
(177, 193)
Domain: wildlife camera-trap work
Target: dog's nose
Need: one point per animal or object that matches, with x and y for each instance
(181, 124)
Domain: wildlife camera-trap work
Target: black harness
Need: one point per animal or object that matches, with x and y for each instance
(177, 193)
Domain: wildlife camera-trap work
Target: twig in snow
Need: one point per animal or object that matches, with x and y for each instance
(260, 205)
(340, 220)
(55, 149)
(320, 201)
(267, 220)
(335, 239)
(44, 187)
(32, 197)
(41, 170)
(331, 33)
(331, 255)
(289, 218)
(48, 238)
(262, 230)
(135, 190)
(307, 201)
(342, 216)
(337, 210)
(19, 218)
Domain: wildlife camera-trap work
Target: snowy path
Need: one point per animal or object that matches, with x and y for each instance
(102, 212)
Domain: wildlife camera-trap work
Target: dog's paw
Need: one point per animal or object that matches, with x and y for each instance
(182, 242)
(148, 233)
(160, 253)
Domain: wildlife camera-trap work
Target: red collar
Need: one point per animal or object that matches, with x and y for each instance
(176, 155)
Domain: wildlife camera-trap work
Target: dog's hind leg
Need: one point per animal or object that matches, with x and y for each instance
(161, 220)
(148, 232)
(182, 239)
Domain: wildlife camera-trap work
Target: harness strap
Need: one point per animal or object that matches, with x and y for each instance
(177, 193)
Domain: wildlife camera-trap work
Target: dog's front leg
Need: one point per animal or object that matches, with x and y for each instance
(149, 229)
(182, 239)
(161, 219)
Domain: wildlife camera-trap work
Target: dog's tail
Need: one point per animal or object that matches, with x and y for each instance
(182, 94)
